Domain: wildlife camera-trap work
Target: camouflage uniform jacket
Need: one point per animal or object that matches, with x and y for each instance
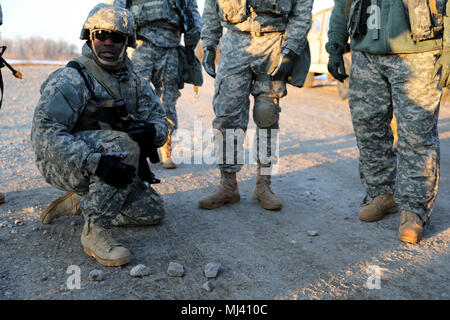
(295, 27)
(164, 33)
(64, 97)
(394, 27)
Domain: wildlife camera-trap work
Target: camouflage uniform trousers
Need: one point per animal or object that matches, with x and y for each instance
(401, 84)
(243, 56)
(159, 66)
(133, 205)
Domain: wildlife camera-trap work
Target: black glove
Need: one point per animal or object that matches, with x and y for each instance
(283, 67)
(142, 132)
(190, 54)
(336, 67)
(115, 173)
(191, 38)
(209, 62)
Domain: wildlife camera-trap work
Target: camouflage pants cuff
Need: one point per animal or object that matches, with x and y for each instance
(101, 221)
(230, 168)
(423, 213)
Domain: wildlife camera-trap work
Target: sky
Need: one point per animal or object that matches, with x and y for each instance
(61, 19)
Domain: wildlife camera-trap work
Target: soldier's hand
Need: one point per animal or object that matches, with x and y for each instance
(114, 172)
(283, 68)
(336, 67)
(191, 38)
(209, 62)
(142, 132)
(443, 64)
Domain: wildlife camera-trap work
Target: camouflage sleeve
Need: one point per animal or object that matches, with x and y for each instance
(211, 27)
(151, 110)
(63, 98)
(120, 3)
(446, 36)
(337, 32)
(193, 9)
(298, 25)
(192, 36)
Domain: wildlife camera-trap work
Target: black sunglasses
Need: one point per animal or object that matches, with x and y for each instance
(115, 37)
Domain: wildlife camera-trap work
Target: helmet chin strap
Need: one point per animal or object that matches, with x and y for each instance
(110, 65)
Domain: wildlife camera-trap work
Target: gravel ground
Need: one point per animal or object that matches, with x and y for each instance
(314, 248)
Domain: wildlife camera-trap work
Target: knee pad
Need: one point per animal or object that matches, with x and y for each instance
(266, 111)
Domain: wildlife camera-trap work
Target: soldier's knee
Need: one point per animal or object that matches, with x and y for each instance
(266, 111)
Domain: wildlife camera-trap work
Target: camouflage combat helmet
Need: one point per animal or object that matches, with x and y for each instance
(110, 17)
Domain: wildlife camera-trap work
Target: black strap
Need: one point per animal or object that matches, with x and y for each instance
(1, 88)
(75, 65)
(144, 171)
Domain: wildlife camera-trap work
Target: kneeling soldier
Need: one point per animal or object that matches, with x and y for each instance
(95, 125)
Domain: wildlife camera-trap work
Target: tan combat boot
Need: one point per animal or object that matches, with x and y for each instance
(67, 205)
(166, 154)
(98, 243)
(264, 193)
(227, 192)
(2, 198)
(378, 208)
(411, 227)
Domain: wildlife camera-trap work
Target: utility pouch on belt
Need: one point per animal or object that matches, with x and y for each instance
(426, 18)
(276, 7)
(234, 11)
(146, 11)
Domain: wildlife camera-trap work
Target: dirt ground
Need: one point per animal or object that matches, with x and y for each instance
(263, 254)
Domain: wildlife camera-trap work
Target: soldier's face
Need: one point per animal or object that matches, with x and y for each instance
(108, 48)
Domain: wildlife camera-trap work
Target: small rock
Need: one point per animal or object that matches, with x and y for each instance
(18, 222)
(212, 269)
(208, 286)
(96, 275)
(140, 271)
(175, 270)
(14, 231)
(313, 233)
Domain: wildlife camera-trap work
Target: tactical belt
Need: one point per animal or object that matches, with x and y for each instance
(262, 34)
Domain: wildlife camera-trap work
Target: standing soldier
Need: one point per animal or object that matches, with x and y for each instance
(398, 48)
(94, 125)
(264, 47)
(2, 196)
(15, 73)
(158, 56)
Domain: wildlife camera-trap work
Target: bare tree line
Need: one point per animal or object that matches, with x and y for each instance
(37, 48)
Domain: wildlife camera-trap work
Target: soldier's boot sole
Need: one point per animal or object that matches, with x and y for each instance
(204, 204)
(373, 217)
(410, 238)
(46, 216)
